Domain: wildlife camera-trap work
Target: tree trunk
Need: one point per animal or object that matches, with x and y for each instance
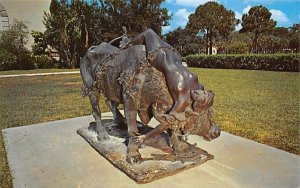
(206, 44)
(255, 42)
(210, 43)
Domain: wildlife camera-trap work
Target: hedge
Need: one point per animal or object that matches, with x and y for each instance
(269, 62)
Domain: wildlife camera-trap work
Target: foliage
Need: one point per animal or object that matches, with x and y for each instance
(274, 42)
(43, 62)
(73, 26)
(212, 20)
(7, 60)
(14, 55)
(15, 39)
(185, 42)
(39, 47)
(237, 43)
(25, 61)
(294, 42)
(145, 14)
(257, 21)
(270, 62)
(66, 29)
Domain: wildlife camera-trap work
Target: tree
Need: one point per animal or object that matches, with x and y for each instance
(74, 25)
(294, 42)
(237, 43)
(211, 20)
(15, 39)
(257, 21)
(13, 53)
(39, 47)
(185, 42)
(146, 14)
(274, 41)
(67, 29)
(135, 15)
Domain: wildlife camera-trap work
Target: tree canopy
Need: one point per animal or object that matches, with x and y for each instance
(210, 20)
(185, 42)
(257, 22)
(73, 26)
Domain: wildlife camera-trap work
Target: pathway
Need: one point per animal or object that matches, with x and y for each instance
(38, 74)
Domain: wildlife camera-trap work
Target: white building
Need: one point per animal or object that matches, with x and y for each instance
(29, 11)
(214, 50)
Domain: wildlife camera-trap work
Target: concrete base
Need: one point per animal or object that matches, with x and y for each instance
(53, 155)
(154, 163)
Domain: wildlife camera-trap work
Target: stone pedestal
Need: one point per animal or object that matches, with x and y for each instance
(155, 164)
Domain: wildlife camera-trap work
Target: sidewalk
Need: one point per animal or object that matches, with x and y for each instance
(52, 154)
(38, 74)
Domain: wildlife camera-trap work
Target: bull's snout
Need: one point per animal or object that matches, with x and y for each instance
(213, 133)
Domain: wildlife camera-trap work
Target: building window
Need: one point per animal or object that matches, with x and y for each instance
(4, 18)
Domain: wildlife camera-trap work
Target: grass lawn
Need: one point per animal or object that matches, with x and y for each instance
(35, 71)
(259, 105)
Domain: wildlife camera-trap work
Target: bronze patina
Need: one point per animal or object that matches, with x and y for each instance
(146, 75)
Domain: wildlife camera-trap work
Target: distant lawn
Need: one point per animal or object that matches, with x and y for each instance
(35, 71)
(259, 105)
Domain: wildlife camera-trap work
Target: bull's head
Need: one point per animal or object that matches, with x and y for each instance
(199, 118)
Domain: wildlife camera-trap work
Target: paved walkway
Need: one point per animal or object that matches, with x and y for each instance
(38, 74)
(52, 154)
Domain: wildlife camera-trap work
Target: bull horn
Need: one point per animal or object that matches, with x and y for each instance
(125, 34)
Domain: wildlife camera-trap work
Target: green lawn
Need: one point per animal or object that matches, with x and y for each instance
(259, 105)
(35, 71)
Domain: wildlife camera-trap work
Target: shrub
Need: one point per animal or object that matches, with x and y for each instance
(269, 62)
(25, 61)
(43, 62)
(7, 60)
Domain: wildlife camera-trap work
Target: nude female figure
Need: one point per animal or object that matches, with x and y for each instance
(179, 80)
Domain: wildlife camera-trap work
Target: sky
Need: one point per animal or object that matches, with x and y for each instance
(284, 12)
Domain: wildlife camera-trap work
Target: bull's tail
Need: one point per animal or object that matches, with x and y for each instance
(87, 75)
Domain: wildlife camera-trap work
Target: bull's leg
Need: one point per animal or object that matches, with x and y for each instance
(130, 114)
(100, 129)
(117, 116)
(133, 155)
(179, 145)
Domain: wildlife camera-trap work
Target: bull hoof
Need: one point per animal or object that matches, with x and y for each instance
(137, 159)
(102, 134)
(133, 155)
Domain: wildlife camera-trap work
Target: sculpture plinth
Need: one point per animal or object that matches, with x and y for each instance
(154, 164)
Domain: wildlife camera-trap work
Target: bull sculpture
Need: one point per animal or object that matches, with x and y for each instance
(128, 76)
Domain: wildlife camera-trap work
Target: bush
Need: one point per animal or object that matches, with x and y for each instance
(10, 61)
(25, 61)
(7, 60)
(269, 62)
(43, 62)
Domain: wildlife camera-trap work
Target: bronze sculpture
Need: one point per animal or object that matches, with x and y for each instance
(146, 75)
